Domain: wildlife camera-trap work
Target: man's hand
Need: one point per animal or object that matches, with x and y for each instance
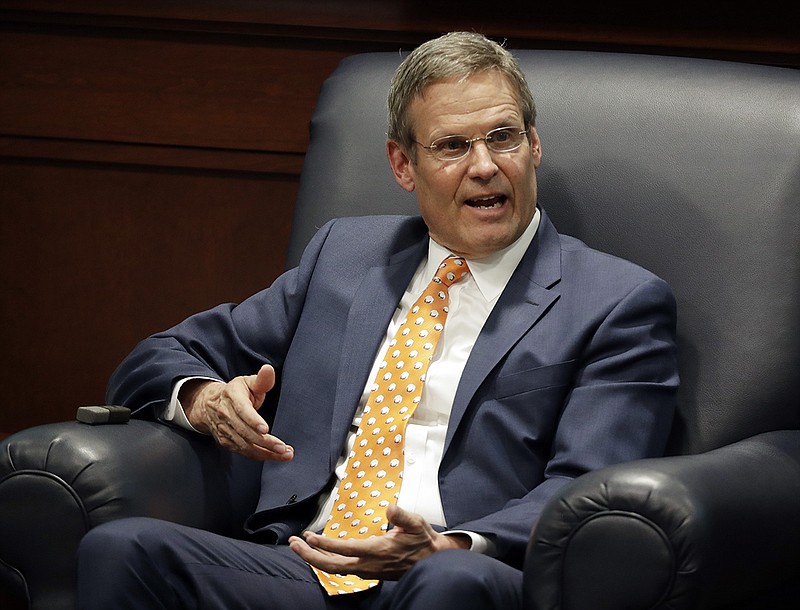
(229, 412)
(384, 557)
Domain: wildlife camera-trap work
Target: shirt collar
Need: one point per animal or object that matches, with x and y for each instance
(491, 273)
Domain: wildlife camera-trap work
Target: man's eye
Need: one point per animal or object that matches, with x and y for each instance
(504, 135)
(452, 145)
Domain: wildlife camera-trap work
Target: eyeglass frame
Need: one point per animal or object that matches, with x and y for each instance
(432, 148)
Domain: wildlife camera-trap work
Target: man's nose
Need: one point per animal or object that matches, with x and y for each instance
(481, 162)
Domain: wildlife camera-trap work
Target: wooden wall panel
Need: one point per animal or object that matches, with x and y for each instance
(96, 258)
(765, 32)
(150, 150)
(182, 89)
(145, 174)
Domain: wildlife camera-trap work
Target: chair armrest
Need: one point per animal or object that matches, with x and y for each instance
(698, 531)
(59, 480)
(141, 468)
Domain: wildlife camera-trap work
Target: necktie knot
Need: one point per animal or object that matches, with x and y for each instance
(452, 269)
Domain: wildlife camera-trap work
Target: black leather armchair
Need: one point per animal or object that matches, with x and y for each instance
(689, 167)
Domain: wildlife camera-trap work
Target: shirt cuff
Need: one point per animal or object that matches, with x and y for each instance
(174, 413)
(479, 544)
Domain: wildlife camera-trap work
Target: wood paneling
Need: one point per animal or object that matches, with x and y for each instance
(97, 257)
(150, 150)
(765, 32)
(183, 89)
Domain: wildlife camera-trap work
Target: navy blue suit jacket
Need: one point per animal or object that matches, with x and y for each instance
(575, 369)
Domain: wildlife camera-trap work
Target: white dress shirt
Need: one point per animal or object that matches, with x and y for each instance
(471, 302)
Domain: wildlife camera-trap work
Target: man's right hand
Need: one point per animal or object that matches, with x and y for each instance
(229, 412)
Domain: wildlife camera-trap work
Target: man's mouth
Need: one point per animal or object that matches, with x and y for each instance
(487, 203)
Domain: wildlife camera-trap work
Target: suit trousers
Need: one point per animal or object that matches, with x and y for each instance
(140, 563)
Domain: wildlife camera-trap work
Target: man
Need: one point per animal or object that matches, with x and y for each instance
(550, 360)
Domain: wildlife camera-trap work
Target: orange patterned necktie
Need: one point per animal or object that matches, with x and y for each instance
(375, 465)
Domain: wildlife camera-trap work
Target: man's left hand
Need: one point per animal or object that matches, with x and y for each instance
(384, 557)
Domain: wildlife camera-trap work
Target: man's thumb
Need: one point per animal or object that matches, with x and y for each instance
(264, 380)
(403, 519)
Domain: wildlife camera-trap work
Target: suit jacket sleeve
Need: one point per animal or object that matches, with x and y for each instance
(221, 343)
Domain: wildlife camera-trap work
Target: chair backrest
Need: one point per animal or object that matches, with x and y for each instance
(688, 167)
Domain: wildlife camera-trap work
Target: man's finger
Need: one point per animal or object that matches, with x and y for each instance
(263, 448)
(348, 547)
(274, 447)
(257, 386)
(410, 522)
(322, 559)
(259, 453)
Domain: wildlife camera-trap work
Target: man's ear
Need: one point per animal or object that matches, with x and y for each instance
(401, 164)
(536, 148)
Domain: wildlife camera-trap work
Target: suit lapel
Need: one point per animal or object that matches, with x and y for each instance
(527, 297)
(373, 306)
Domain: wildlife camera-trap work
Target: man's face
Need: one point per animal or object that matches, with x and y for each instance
(483, 202)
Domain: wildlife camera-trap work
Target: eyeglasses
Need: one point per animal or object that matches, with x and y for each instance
(452, 148)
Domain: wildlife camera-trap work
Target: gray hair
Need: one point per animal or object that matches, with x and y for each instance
(457, 55)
